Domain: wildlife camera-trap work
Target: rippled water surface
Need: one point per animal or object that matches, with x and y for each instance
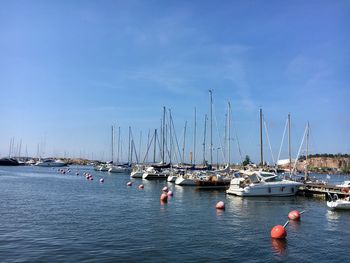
(50, 217)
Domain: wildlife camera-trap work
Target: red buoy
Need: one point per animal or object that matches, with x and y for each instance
(294, 215)
(129, 184)
(278, 232)
(141, 186)
(220, 205)
(164, 197)
(170, 193)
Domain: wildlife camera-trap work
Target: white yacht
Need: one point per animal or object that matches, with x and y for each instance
(259, 183)
(338, 204)
(51, 163)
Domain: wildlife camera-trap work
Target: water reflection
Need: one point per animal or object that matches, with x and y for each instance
(332, 215)
(294, 225)
(279, 246)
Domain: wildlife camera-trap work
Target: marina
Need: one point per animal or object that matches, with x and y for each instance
(174, 131)
(54, 216)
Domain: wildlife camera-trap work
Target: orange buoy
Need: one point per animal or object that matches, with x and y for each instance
(165, 189)
(278, 232)
(129, 184)
(141, 186)
(294, 215)
(170, 193)
(164, 197)
(220, 205)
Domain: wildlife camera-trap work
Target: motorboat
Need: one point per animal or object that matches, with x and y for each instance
(260, 183)
(335, 203)
(51, 163)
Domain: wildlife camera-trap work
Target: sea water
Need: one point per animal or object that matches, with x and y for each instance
(47, 216)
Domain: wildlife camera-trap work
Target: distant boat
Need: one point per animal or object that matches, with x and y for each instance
(51, 163)
(122, 168)
(9, 162)
(338, 204)
(259, 183)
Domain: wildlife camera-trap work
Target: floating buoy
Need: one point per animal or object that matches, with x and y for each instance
(164, 197)
(165, 189)
(294, 215)
(220, 205)
(129, 184)
(170, 193)
(278, 232)
(102, 180)
(141, 186)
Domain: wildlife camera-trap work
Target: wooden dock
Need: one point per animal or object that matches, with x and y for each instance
(322, 190)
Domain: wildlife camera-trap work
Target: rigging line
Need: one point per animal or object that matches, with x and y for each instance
(268, 140)
(302, 142)
(238, 144)
(133, 143)
(284, 133)
(218, 135)
(149, 146)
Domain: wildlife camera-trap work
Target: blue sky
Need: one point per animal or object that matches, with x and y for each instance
(71, 69)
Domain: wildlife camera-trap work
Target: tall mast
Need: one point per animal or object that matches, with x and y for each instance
(170, 139)
(163, 136)
(307, 150)
(112, 143)
(205, 135)
(155, 146)
(194, 136)
(289, 146)
(229, 134)
(211, 125)
(118, 149)
(129, 150)
(184, 144)
(261, 141)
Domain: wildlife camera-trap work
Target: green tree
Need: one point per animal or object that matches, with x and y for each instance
(246, 160)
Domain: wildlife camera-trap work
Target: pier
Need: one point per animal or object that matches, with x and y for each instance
(322, 190)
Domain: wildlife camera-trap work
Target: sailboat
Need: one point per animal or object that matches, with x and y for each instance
(119, 168)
